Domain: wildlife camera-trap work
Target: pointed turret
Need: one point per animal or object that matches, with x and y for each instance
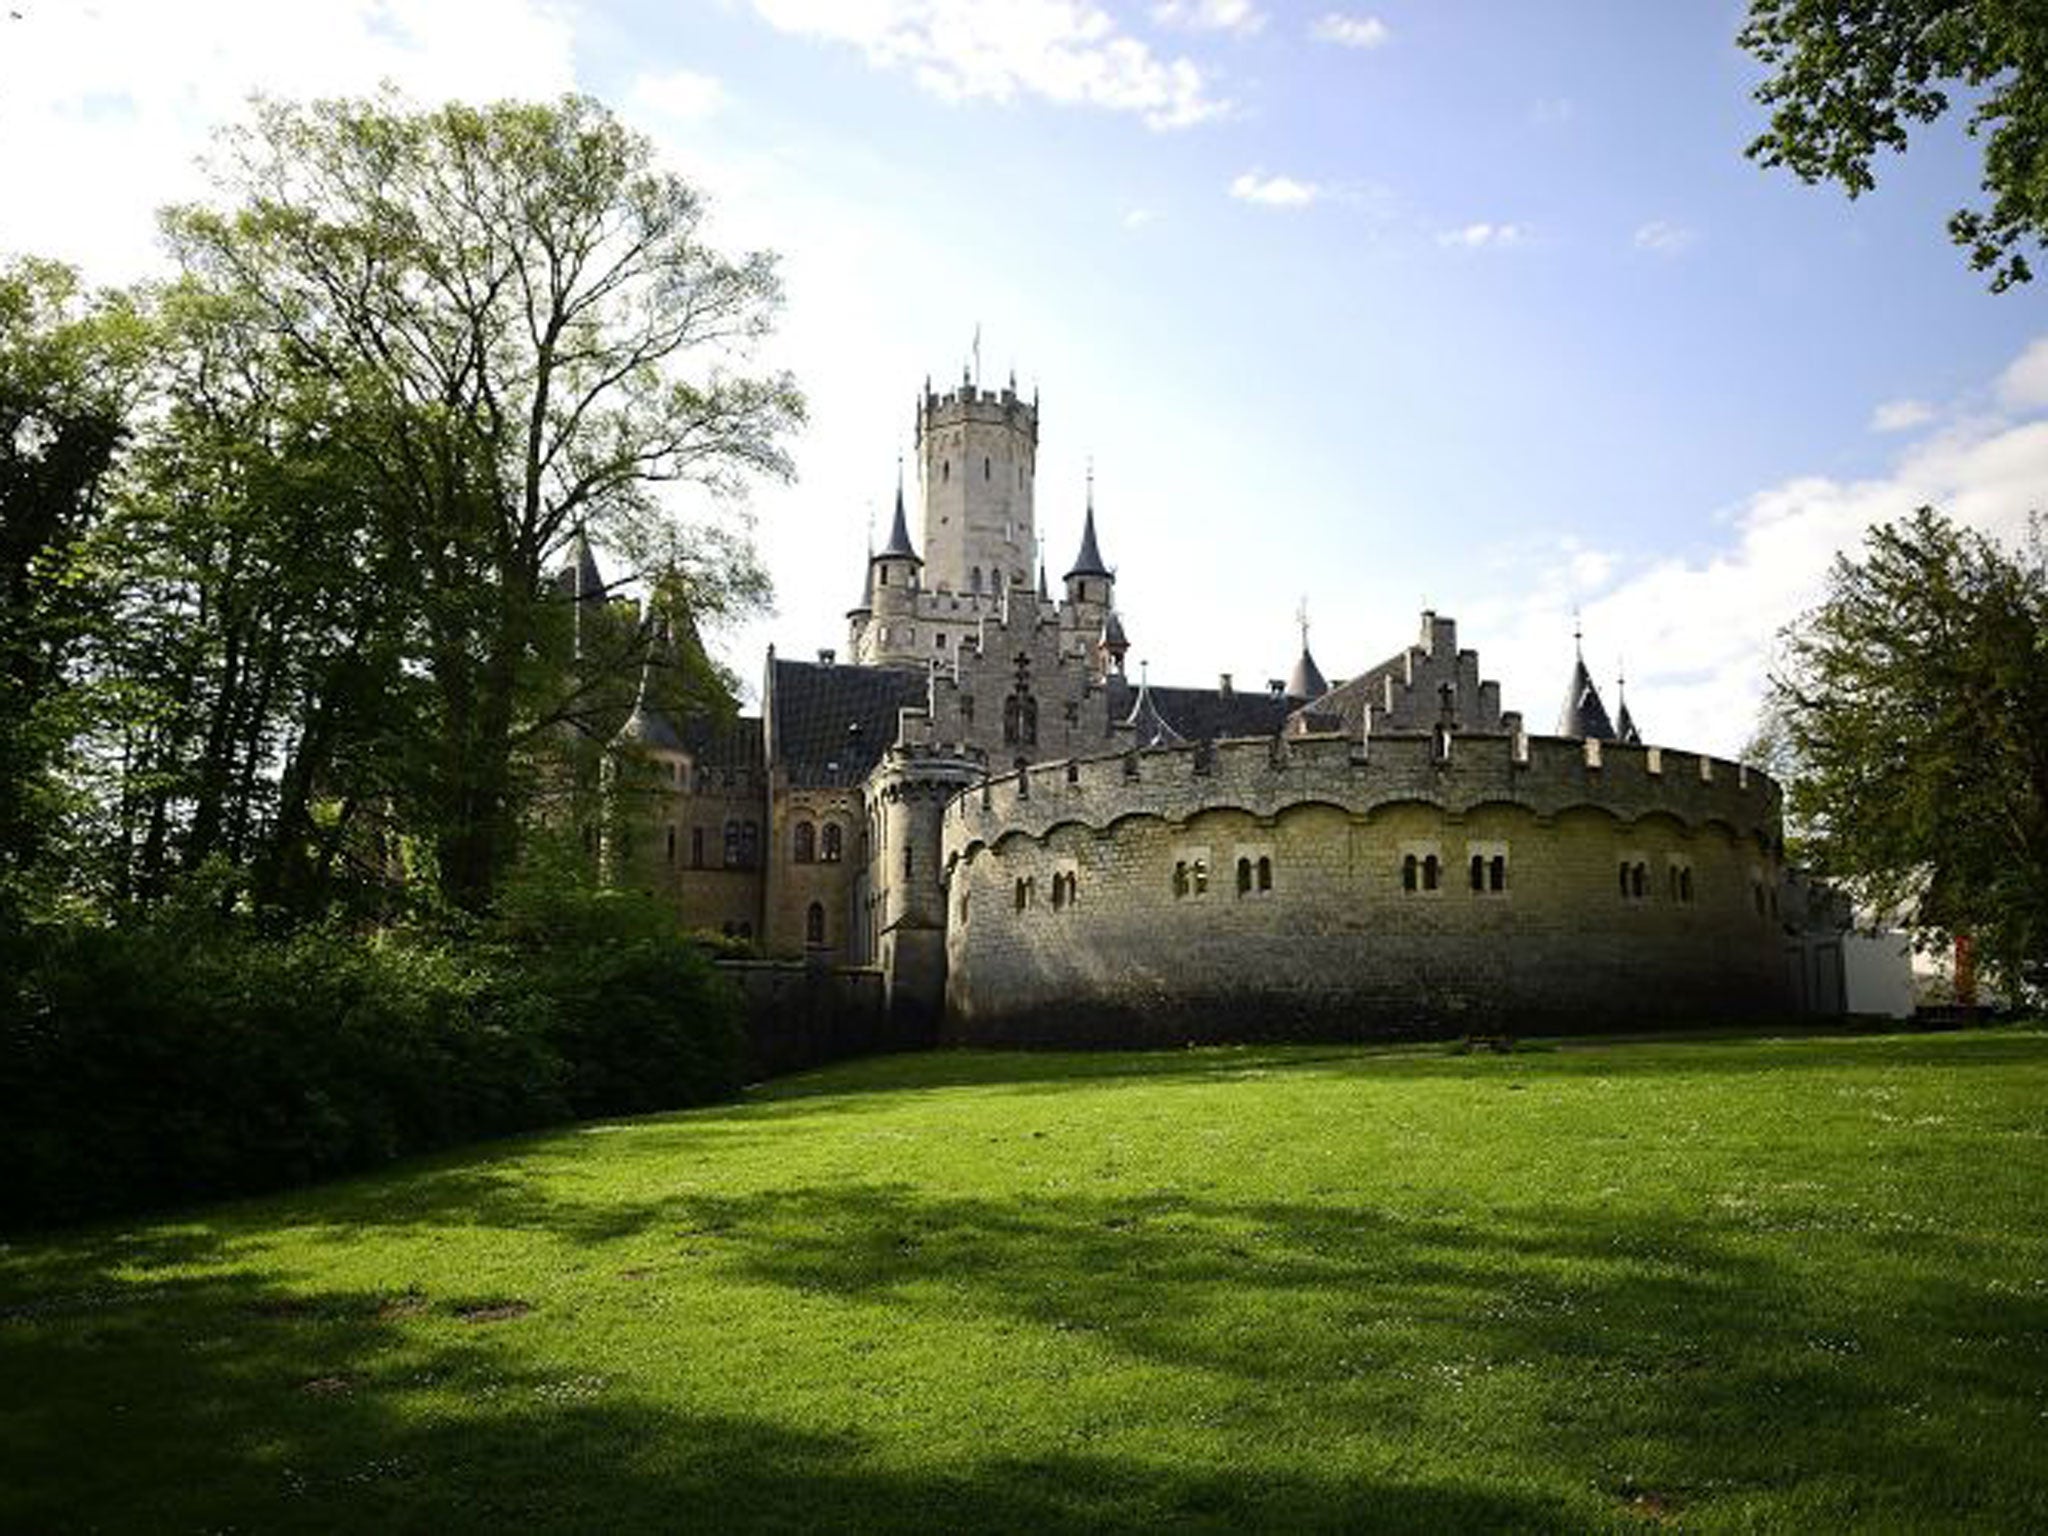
(1111, 645)
(1583, 715)
(1306, 681)
(899, 546)
(1091, 585)
(1624, 724)
(1089, 561)
(647, 727)
(1149, 728)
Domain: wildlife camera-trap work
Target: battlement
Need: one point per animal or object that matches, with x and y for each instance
(1547, 775)
(987, 407)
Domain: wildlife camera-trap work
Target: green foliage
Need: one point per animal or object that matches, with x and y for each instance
(192, 1054)
(1911, 713)
(1788, 1285)
(67, 366)
(1855, 76)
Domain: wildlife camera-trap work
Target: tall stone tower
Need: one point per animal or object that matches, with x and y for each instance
(977, 453)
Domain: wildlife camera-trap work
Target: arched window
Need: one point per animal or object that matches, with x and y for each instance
(1498, 872)
(1023, 895)
(1059, 892)
(1478, 871)
(750, 846)
(1180, 880)
(1013, 720)
(814, 924)
(1265, 874)
(1431, 871)
(995, 578)
(1685, 883)
(1198, 877)
(696, 847)
(1244, 877)
(945, 471)
(1410, 870)
(987, 468)
(1030, 721)
(806, 849)
(832, 849)
(732, 845)
(671, 845)
(1639, 881)
(975, 577)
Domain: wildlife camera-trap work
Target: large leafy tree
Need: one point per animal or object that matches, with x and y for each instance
(1911, 711)
(516, 328)
(69, 368)
(1853, 77)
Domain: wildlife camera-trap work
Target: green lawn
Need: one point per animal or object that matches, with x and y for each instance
(1794, 1284)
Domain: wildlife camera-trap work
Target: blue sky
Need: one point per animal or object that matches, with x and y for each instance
(1472, 305)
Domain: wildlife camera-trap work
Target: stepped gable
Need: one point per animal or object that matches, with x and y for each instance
(1406, 694)
(1203, 714)
(831, 723)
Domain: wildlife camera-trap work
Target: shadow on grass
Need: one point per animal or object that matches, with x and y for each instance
(1536, 1352)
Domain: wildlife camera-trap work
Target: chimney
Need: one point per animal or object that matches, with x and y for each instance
(1223, 685)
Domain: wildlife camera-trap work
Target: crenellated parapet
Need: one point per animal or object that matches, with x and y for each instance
(1545, 775)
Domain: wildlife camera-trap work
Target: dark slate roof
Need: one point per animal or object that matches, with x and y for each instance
(1306, 680)
(1203, 714)
(647, 726)
(1583, 715)
(833, 723)
(1625, 727)
(867, 593)
(1348, 701)
(1113, 636)
(1149, 728)
(898, 547)
(1089, 561)
(578, 576)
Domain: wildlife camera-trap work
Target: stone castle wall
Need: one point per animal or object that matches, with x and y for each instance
(1101, 901)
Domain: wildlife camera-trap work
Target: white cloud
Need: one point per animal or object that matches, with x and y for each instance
(1275, 191)
(1697, 632)
(2024, 386)
(1069, 52)
(1239, 16)
(1901, 415)
(1661, 237)
(1484, 236)
(680, 95)
(1350, 31)
(1139, 218)
(120, 96)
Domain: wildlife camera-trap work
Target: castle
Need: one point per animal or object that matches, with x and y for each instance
(981, 804)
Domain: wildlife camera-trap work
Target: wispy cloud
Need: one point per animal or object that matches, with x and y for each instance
(1901, 415)
(681, 95)
(1483, 236)
(1239, 16)
(1350, 31)
(1661, 237)
(1699, 631)
(1139, 218)
(1069, 52)
(2024, 386)
(1276, 191)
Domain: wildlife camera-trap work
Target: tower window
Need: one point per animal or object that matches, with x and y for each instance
(831, 851)
(1411, 869)
(1244, 877)
(806, 849)
(814, 924)
(975, 577)
(1265, 874)
(1431, 871)
(1497, 873)
(987, 471)
(945, 471)
(750, 844)
(1478, 872)
(732, 845)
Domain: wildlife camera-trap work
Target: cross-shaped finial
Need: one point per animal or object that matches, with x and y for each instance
(1301, 618)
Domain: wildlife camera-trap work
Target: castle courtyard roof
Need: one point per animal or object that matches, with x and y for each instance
(830, 723)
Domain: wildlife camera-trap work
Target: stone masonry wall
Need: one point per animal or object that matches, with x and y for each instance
(1337, 945)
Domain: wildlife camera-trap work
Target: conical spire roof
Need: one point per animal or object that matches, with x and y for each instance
(1624, 724)
(1306, 681)
(1583, 715)
(1149, 728)
(589, 585)
(898, 547)
(1089, 561)
(647, 726)
(1113, 637)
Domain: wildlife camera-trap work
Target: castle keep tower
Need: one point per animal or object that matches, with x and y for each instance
(977, 455)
